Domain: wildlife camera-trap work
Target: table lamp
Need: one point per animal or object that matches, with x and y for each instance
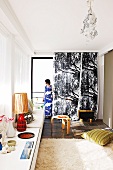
(20, 106)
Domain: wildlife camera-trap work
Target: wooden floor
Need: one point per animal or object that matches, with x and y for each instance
(56, 131)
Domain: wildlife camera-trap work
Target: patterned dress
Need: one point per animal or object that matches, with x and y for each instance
(48, 98)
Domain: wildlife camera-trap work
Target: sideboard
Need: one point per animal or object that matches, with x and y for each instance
(12, 161)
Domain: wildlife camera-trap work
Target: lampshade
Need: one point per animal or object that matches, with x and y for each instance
(20, 106)
(20, 103)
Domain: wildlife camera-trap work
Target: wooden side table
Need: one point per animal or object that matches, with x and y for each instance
(65, 119)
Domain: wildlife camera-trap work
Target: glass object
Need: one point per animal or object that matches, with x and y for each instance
(0, 142)
(21, 123)
(89, 23)
(11, 131)
(3, 128)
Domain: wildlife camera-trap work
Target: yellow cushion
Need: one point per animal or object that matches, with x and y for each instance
(99, 136)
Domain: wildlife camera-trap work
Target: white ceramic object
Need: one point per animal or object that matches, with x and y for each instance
(4, 150)
(11, 130)
(11, 148)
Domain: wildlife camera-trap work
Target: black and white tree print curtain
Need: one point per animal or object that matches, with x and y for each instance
(75, 83)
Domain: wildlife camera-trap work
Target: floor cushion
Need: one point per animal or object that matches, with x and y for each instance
(99, 136)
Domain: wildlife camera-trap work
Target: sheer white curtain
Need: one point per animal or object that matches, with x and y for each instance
(14, 72)
(3, 75)
(21, 71)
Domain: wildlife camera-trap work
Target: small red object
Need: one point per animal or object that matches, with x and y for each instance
(21, 123)
(26, 135)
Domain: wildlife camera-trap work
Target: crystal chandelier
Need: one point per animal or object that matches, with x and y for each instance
(89, 23)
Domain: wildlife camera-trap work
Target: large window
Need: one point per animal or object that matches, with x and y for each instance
(42, 68)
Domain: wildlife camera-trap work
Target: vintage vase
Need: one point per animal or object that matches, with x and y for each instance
(11, 130)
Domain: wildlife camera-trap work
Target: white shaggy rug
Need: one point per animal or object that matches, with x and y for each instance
(74, 154)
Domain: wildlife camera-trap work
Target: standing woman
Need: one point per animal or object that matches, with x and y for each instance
(48, 98)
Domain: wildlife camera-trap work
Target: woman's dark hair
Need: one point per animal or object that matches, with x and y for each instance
(47, 81)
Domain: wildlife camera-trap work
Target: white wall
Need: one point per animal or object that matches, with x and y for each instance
(108, 90)
(100, 86)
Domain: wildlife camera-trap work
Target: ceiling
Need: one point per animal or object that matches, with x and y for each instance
(54, 25)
